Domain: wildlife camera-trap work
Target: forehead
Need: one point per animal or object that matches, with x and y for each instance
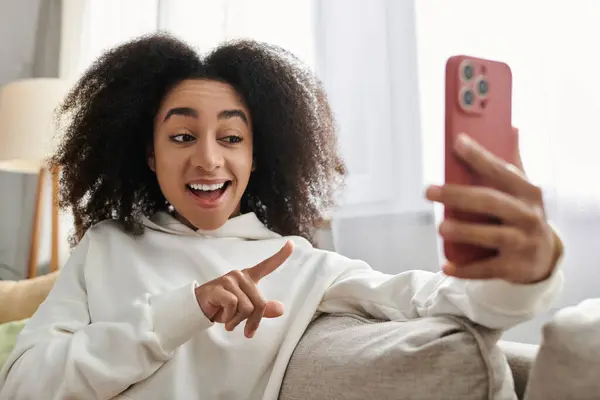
(205, 96)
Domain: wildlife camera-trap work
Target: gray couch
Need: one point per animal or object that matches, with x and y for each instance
(348, 357)
(351, 358)
(520, 357)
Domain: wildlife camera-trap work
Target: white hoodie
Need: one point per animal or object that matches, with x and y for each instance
(122, 320)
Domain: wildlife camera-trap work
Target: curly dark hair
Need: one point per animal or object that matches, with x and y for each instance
(109, 128)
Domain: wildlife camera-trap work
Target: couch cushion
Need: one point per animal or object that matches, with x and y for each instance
(568, 362)
(348, 357)
(24, 296)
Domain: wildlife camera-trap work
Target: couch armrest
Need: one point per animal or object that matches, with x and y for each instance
(349, 357)
(520, 357)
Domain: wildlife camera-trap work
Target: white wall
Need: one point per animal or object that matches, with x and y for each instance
(18, 25)
(390, 243)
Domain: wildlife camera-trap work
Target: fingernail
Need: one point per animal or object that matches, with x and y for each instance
(445, 228)
(433, 192)
(463, 143)
(249, 332)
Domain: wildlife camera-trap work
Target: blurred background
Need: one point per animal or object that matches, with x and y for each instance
(382, 63)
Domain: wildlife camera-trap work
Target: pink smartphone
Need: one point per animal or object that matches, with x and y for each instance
(478, 103)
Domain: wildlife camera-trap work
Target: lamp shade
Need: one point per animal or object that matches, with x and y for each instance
(27, 127)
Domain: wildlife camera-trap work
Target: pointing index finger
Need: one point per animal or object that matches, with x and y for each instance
(269, 265)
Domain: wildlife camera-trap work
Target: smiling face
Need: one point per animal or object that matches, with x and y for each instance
(202, 153)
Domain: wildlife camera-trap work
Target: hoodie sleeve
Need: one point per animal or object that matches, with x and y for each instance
(493, 303)
(62, 354)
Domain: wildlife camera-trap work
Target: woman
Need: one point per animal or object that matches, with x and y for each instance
(196, 184)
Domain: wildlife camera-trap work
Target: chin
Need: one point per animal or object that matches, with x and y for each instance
(209, 208)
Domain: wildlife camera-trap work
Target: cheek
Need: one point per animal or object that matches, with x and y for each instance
(248, 163)
(167, 166)
(242, 167)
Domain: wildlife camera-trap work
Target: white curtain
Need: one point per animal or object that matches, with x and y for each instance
(552, 51)
(206, 23)
(92, 26)
(367, 58)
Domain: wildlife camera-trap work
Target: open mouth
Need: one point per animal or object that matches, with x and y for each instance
(208, 194)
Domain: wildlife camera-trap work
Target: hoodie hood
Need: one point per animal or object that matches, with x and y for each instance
(246, 226)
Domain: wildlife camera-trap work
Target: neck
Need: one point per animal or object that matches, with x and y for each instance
(187, 223)
(184, 221)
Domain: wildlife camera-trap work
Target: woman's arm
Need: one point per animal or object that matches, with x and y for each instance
(62, 354)
(520, 281)
(492, 303)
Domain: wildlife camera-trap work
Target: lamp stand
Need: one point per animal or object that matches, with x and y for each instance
(37, 217)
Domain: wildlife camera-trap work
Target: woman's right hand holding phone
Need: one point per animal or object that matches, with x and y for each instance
(234, 297)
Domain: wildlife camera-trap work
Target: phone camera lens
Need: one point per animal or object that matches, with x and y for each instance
(482, 86)
(468, 72)
(468, 97)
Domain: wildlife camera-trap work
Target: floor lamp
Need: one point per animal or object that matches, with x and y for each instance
(27, 138)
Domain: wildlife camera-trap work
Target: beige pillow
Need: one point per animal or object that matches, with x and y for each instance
(347, 357)
(568, 363)
(20, 299)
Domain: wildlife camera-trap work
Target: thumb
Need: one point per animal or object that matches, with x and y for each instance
(274, 309)
(212, 313)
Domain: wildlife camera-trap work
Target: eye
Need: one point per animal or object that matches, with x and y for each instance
(232, 139)
(182, 138)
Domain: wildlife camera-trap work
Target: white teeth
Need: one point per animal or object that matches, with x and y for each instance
(207, 188)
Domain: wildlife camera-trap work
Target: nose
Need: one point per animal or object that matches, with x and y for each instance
(207, 155)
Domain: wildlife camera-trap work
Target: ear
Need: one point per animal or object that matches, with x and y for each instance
(152, 161)
(253, 164)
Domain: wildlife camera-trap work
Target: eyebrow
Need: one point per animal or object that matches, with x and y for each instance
(225, 114)
(190, 112)
(184, 111)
